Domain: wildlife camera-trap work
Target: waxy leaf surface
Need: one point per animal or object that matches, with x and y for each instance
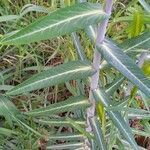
(62, 73)
(122, 62)
(60, 22)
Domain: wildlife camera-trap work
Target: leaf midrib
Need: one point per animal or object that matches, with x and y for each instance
(63, 21)
(8, 110)
(137, 44)
(51, 77)
(59, 107)
(109, 51)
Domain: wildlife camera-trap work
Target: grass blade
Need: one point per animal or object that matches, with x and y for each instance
(7, 132)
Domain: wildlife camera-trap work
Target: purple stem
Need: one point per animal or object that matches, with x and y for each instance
(100, 37)
(96, 62)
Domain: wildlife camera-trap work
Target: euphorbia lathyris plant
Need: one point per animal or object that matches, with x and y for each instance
(66, 21)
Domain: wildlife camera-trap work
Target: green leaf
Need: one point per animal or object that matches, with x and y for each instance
(6, 87)
(60, 122)
(140, 132)
(60, 22)
(98, 133)
(114, 85)
(66, 137)
(78, 47)
(139, 42)
(66, 146)
(8, 110)
(11, 113)
(53, 76)
(118, 59)
(117, 119)
(80, 129)
(9, 18)
(131, 112)
(145, 5)
(138, 113)
(67, 105)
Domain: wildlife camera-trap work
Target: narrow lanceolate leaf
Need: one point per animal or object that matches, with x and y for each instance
(115, 85)
(131, 112)
(66, 137)
(8, 18)
(78, 47)
(8, 109)
(145, 5)
(139, 42)
(140, 132)
(98, 133)
(60, 122)
(117, 119)
(60, 22)
(80, 129)
(139, 114)
(67, 105)
(66, 146)
(65, 72)
(11, 113)
(118, 59)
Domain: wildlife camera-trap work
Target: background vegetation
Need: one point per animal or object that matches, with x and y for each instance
(18, 63)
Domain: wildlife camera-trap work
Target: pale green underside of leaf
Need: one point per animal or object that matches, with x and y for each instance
(118, 59)
(60, 22)
(117, 119)
(67, 105)
(62, 73)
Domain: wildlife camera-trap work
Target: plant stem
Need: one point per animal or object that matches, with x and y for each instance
(96, 62)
